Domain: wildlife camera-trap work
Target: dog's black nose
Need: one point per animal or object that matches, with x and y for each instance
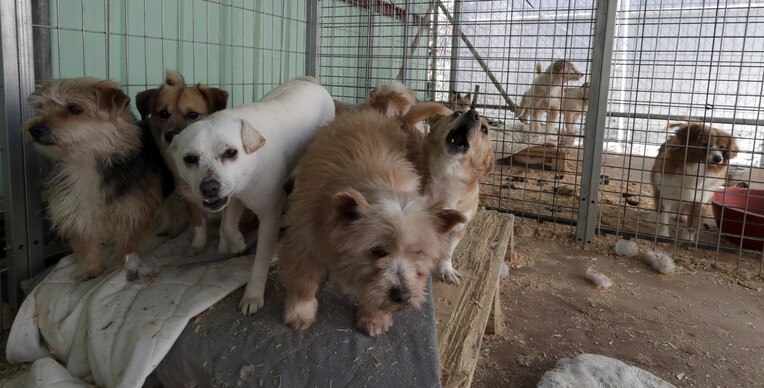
(400, 295)
(210, 189)
(168, 136)
(716, 158)
(38, 130)
(473, 115)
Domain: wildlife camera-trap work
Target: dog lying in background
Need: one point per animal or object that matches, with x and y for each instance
(240, 158)
(575, 101)
(393, 100)
(167, 110)
(452, 158)
(358, 214)
(689, 166)
(545, 93)
(108, 177)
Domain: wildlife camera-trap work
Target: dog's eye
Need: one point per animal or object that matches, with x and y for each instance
(192, 115)
(484, 129)
(73, 109)
(456, 114)
(230, 154)
(190, 159)
(164, 114)
(378, 252)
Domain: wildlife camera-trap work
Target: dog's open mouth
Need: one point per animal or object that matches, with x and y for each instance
(214, 204)
(45, 142)
(457, 141)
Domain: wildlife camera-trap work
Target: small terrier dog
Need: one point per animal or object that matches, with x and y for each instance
(357, 213)
(575, 101)
(167, 110)
(452, 158)
(393, 100)
(545, 93)
(689, 166)
(108, 178)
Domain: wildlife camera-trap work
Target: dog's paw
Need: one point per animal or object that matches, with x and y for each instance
(302, 315)
(447, 272)
(194, 251)
(251, 304)
(85, 274)
(237, 244)
(223, 246)
(663, 231)
(374, 326)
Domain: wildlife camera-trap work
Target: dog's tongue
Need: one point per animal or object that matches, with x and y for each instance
(211, 201)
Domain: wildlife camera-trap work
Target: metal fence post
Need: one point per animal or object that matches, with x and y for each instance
(453, 81)
(313, 39)
(23, 221)
(602, 53)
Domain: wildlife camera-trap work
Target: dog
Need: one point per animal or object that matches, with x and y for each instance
(689, 166)
(240, 158)
(358, 214)
(457, 103)
(166, 111)
(545, 93)
(575, 101)
(454, 155)
(108, 177)
(393, 100)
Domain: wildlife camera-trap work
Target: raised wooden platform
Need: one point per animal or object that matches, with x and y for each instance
(463, 312)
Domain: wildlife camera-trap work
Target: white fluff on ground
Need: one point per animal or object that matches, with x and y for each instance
(599, 280)
(626, 248)
(595, 371)
(660, 261)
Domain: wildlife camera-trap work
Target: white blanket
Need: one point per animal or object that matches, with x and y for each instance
(112, 332)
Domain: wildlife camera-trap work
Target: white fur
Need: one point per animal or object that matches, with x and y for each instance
(694, 186)
(660, 261)
(287, 117)
(599, 280)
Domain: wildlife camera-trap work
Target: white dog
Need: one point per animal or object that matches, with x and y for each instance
(241, 157)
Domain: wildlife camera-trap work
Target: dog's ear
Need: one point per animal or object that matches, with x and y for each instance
(217, 99)
(173, 78)
(111, 99)
(250, 138)
(467, 97)
(448, 219)
(346, 205)
(144, 101)
(538, 67)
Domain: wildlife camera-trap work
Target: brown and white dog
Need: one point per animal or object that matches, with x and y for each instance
(575, 102)
(167, 110)
(545, 93)
(454, 155)
(689, 166)
(393, 100)
(108, 178)
(358, 214)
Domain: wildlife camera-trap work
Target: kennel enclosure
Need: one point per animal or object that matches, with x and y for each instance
(648, 62)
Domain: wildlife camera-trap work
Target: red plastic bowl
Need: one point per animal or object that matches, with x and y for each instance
(741, 208)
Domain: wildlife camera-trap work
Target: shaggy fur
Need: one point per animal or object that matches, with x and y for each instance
(357, 213)
(393, 100)
(108, 177)
(575, 102)
(456, 153)
(167, 110)
(545, 93)
(689, 166)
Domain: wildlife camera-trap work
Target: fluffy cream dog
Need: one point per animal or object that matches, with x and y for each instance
(241, 158)
(393, 99)
(357, 213)
(546, 92)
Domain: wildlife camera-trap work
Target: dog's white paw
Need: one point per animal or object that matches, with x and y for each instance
(253, 299)
(374, 326)
(301, 315)
(223, 246)
(663, 231)
(237, 245)
(447, 272)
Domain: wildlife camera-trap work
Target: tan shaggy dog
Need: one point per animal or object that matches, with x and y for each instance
(452, 158)
(108, 177)
(356, 212)
(545, 93)
(689, 166)
(167, 110)
(393, 100)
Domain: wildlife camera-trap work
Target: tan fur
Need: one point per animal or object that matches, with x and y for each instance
(357, 213)
(393, 100)
(545, 93)
(575, 102)
(453, 178)
(457, 103)
(684, 176)
(90, 128)
(170, 108)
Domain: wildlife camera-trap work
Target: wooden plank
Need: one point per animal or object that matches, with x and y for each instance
(462, 311)
(494, 324)
(547, 156)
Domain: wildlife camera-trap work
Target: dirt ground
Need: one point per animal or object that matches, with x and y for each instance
(698, 327)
